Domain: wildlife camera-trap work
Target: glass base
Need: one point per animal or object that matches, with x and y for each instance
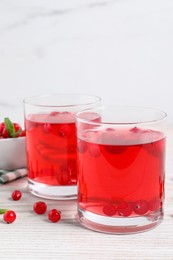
(119, 225)
(52, 192)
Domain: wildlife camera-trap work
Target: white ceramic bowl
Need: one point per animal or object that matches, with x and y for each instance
(12, 153)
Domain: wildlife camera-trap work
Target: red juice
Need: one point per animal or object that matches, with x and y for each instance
(51, 148)
(121, 171)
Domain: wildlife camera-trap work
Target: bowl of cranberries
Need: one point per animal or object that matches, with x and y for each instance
(12, 146)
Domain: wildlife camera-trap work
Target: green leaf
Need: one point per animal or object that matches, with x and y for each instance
(17, 133)
(9, 126)
(2, 211)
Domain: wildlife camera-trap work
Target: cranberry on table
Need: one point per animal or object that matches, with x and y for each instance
(40, 207)
(9, 216)
(16, 195)
(54, 215)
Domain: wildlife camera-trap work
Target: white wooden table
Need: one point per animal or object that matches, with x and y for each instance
(33, 237)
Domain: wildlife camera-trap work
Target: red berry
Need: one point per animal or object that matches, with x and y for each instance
(115, 149)
(140, 207)
(23, 133)
(109, 210)
(16, 127)
(47, 128)
(5, 133)
(16, 195)
(135, 130)
(40, 207)
(9, 216)
(2, 125)
(124, 209)
(54, 215)
(65, 130)
(54, 113)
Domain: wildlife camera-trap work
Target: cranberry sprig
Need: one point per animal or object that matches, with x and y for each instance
(8, 129)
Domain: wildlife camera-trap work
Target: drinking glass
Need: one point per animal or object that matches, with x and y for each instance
(121, 168)
(51, 143)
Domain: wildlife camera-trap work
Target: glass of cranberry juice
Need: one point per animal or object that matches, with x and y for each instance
(51, 143)
(121, 168)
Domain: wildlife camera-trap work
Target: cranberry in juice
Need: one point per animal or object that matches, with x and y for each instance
(51, 148)
(121, 172)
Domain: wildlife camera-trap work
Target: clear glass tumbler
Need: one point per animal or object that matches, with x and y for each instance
(51, 143)
(121, 161)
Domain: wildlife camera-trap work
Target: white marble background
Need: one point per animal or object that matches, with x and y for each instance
(121, 50)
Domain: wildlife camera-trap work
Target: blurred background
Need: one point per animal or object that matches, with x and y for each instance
(121, 50)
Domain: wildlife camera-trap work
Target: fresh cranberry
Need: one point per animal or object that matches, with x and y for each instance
(17, 127)
(2, 125)
(94, 150)
(40, 207)
(16, 195)
(65, 130)
(47, 128)
(115, 149)
(54, 215)
(140, 207)
(5, 133)
(23, 133)
(135, 130)
(82, 146)
(9, 216)
(124, 209)
(109, 210)
(54, 113)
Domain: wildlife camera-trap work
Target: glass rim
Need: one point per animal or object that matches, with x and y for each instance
(89, 121)
(29, 100)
